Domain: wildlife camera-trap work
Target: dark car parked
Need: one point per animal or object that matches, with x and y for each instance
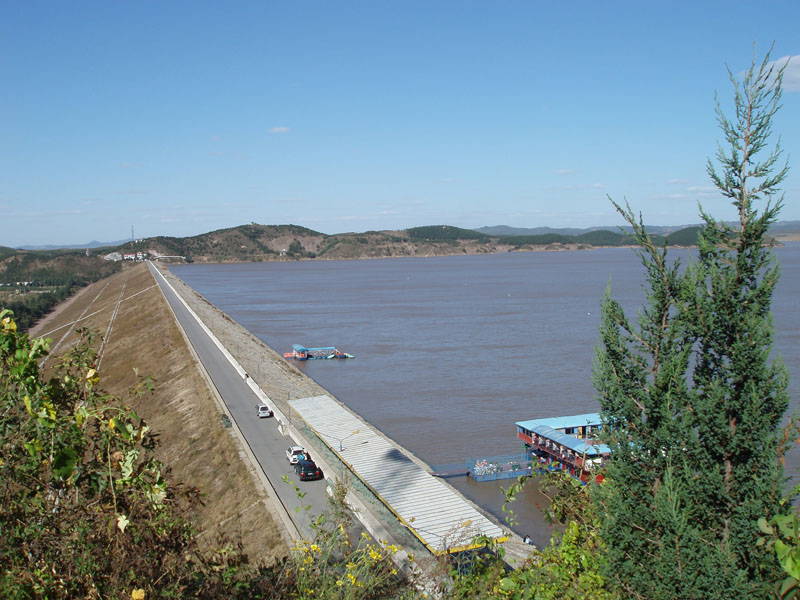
(308, 470)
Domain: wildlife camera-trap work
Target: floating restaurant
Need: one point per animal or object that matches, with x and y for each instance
(302, 353)
(565, 443)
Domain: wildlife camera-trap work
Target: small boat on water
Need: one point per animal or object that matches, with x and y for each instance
(302, 353)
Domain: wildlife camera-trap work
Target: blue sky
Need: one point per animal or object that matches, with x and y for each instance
(179, 118)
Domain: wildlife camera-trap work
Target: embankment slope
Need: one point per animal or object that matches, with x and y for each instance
(199, 450)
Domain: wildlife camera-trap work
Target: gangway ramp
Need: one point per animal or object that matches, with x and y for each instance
(434, 512)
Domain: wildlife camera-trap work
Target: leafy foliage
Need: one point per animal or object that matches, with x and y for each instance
(691, 403)
(84, 508)
(570, 568)
(782, 535)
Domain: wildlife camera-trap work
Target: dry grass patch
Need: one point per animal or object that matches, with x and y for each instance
(194, 443)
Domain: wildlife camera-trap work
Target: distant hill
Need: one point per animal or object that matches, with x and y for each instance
(32, 282)
(505, 230)
(92, 244)
(782, 228)
(684, 237)
(255, 242)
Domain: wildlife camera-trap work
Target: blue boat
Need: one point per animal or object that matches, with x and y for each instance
(302, 353)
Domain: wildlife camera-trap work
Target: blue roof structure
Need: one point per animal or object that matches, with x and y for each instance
(563, 422)
(570, 441)
(301, 348)
(549, 428)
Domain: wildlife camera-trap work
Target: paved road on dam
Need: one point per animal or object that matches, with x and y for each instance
(261, 435)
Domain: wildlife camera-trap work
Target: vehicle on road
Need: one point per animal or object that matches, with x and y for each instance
(304, 462)
(308, 470)
(293, 454)
(263, 411)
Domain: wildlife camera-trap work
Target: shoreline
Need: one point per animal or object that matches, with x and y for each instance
(509, 250)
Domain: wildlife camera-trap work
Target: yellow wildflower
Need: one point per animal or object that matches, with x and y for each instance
(351, 565)
(315, 548)
(9, 324)
(339, 582)
(137, 594)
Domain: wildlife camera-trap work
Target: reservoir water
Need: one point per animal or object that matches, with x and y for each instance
(452, 351)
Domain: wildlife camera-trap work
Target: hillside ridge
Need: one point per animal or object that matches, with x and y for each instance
(257, 243)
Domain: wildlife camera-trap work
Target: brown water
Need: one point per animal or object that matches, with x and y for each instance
(452, 351)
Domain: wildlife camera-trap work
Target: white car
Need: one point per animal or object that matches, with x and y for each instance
(263, 411)
(293, 453)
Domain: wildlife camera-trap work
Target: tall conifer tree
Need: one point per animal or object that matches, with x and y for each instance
(691, 401)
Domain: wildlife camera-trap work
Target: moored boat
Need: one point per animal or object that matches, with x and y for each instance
(302, 353)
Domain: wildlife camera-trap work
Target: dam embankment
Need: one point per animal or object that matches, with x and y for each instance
(137, 336)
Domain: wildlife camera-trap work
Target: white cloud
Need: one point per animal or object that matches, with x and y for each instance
(565, 171)
(598, 186)
(279, 130)
(701, 189)
(791, 77)
(678, 182)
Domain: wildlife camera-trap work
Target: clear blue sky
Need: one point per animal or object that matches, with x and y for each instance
(178, 118)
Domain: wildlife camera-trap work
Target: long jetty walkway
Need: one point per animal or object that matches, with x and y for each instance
(436, 514)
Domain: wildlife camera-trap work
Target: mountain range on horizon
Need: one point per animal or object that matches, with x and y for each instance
(781, 227)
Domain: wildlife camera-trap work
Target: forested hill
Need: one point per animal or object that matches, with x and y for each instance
(256, 242)
(32, 282)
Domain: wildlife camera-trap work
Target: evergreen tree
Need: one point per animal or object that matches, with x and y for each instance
(691, 401)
